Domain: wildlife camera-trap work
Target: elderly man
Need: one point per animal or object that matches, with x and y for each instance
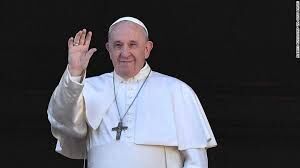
(132, 117)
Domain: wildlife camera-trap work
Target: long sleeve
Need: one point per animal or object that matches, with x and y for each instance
(66, 114)
(195, 158)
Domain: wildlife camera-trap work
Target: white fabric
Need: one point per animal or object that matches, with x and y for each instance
(68, 92)
(76, 79)
(168, 109)
(131, 19)
(125, 91)
(130, 155)
(195, 158)
(104, 138)
(67, 117)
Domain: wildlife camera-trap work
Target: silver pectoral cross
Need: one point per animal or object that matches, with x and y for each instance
(119, 130)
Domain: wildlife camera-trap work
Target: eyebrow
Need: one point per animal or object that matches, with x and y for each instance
(118, 41)
(133, 41)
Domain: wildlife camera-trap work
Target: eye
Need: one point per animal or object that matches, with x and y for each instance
(133, 44)
(117, 45)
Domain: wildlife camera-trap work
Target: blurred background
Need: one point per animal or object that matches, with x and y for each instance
(238, 56)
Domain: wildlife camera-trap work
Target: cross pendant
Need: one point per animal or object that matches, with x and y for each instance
(119, 130)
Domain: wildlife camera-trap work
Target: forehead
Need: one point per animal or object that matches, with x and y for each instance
(126, 30)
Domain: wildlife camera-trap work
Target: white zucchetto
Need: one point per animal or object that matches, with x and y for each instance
(131, 19)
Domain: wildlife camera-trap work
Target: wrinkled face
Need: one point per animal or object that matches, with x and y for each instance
(128, 48)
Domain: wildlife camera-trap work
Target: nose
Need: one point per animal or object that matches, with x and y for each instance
(125, 52)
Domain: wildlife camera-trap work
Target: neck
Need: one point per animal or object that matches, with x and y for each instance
(126, 76)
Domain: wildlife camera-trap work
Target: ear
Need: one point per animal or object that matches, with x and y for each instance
(107, 48)
(148, 48)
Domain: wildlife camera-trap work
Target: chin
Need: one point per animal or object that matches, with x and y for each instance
(125, 72)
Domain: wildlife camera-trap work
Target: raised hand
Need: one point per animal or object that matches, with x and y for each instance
(79, 53)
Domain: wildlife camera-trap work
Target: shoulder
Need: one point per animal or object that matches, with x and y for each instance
(174, 86)
(170, 81)
(163, 78)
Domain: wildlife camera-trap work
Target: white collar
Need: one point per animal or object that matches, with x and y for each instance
(140, 76)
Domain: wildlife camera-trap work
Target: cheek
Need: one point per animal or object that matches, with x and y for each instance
(141, 55)
(114, 56)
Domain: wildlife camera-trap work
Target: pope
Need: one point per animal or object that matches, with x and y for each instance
(133, 117)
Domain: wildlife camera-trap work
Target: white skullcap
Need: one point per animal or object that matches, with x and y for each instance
(131, 19)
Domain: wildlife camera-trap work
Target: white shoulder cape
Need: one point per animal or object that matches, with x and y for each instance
(168, 111)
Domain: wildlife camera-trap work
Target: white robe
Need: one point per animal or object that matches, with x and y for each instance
(171, 113)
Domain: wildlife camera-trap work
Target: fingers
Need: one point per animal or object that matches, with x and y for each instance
(82, 37)
(77, 37)
(70, 42)
(88, 38)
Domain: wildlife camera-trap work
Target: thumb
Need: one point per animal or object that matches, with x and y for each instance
(90, 53)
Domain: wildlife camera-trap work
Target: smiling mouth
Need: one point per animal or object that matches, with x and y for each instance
(126, 61)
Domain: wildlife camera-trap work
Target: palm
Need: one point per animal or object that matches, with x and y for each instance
(79, 53)
(76, 54)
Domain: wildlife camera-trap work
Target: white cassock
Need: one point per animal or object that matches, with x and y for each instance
(167, 127)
